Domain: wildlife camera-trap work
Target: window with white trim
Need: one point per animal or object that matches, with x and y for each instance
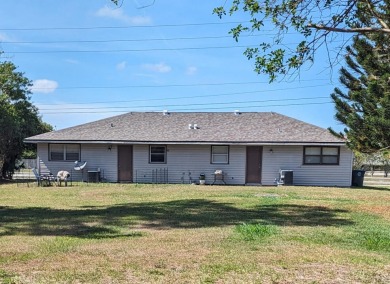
(158, 154)
(321, 155)
(220, 154)
(64, 152)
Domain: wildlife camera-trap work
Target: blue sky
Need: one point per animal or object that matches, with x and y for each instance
(91, 59)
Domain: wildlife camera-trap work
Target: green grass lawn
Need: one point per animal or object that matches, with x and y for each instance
(114, 233)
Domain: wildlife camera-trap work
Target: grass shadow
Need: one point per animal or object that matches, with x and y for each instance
(121, 220)
(303, 215)
(381, 188)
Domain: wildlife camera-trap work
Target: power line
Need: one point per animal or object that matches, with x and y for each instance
(130, 27)
(156, 86)
(192, 104)
(167, 85)
(194, 109)
(196, 97)
(120, 27)
(142, 40)
(130, 50)
(133, 50)
(125, 40)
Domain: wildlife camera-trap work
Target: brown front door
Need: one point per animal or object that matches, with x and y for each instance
(253, 164)
(125, 163)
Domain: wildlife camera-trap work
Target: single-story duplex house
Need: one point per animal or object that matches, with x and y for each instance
(177, 147)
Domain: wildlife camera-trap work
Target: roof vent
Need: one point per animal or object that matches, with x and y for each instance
(237, 112)
(193, 126)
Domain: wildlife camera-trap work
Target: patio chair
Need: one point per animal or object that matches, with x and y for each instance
(219, 177)
(62, 176)
(43, 179)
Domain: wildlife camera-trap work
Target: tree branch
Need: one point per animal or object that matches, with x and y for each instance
(376, 15)
(349, 30)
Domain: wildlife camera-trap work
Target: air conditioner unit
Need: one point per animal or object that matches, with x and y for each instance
(286, 177)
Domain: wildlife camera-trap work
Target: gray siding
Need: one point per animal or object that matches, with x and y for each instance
(186, 162)
(291, 158)
(99, 156)
(96, 155)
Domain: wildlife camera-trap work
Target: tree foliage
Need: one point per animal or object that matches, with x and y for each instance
(18, 117)
(372, 162)
(314, 21)
(365, 107)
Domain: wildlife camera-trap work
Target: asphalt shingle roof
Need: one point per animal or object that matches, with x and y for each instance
(217, 127)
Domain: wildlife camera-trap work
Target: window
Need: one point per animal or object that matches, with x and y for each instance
(64, 152)
(321, 155)
(220, 154)
(158, 154)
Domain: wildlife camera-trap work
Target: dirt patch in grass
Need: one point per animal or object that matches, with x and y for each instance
(145, 260)
(320, 273)
(281, 262)
(380, 210)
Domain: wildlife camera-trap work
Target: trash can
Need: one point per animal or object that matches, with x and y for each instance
(358, 177)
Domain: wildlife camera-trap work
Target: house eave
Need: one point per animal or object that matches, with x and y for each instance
(239, 143)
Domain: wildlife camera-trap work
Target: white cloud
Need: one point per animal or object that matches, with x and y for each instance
(61, 113)
(72, 61)
(119, 15)
(111, 13)
(44, 86)
(140, 20)
(6, 38)
(191, 70)
(145, 75)
(159, 67)
(3, 37)
(121, 66)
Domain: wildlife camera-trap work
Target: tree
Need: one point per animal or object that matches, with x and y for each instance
(365, 107)
(372, 162)
(316, 22)
(18, 117)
